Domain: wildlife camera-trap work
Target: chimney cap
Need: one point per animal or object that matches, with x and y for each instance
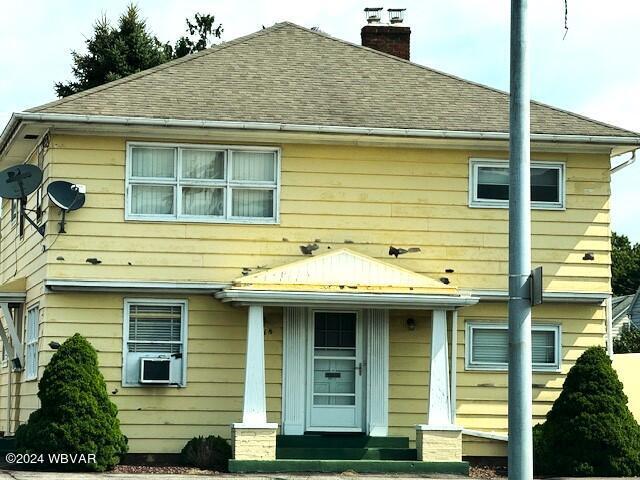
(373, 14)
(396, 15)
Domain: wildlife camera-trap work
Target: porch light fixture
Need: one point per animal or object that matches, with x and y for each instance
(54, 345)
(411, 324)
(373, 15)
(396, 15)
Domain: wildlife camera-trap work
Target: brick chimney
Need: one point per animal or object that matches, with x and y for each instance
(392, 37)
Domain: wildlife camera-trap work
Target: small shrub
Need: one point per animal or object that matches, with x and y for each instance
(76, 415)
(628, 341)
(211, 453)
(589, 431)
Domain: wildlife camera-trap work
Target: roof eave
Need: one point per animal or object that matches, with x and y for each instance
(63, 118)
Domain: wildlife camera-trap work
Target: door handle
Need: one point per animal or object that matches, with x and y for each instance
(359, 368)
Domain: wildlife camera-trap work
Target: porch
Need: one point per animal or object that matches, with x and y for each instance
(336, 311)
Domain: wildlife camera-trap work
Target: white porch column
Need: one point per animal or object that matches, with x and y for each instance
(377, 372)
(255, 400)
(439, 400)
(254, 438)
(439, 440)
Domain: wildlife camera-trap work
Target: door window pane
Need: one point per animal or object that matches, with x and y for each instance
(203, 201)
(202, 164)
(254, 166)
(252, 203)
(152, 199)
(153, 162)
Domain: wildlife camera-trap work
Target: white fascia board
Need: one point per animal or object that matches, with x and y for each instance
(64, 285)
(61, 118)
(548, 297)
(12, 297)
(371, 300)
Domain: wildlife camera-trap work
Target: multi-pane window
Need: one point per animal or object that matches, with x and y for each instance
(488, 346)
(198, 183)
(155, 329)
(31, 343)
(489, 184)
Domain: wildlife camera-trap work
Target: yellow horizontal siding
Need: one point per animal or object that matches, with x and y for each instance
(368, 198)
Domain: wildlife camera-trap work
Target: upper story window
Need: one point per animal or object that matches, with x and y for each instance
(489, 184)
(202, 183)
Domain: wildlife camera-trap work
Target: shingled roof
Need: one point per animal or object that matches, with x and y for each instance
(289, 74)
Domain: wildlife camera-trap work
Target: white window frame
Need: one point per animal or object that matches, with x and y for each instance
(184, 304)
(227, 184)
(32, 336)
(556, 328)
(475, 202)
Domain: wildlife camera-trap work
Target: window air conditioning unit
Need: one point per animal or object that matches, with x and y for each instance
(155, 370)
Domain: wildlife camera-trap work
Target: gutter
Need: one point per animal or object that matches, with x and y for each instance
(291, 127)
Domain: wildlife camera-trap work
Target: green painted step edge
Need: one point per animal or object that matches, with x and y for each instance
(284, 453)
(339, 441)
(337, 466)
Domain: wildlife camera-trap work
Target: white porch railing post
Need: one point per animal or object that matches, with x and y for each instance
(255, 403)
(439, 399)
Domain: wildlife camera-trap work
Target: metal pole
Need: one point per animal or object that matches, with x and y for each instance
(520, 436)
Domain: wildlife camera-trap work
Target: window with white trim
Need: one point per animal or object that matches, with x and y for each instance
(32, 335)
(489, 184)
(155, 329)
(202, 183)
(487, 346)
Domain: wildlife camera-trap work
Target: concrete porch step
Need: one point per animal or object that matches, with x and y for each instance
(337, 466)
(333, 440)
(321, 453)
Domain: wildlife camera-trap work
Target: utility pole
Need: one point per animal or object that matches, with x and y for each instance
(520, 435)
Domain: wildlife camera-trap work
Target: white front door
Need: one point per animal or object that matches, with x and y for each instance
(335, 371)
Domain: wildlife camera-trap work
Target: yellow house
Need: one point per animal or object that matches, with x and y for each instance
(300, 244)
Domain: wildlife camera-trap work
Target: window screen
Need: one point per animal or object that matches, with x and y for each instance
(490, 346)
(155, 328)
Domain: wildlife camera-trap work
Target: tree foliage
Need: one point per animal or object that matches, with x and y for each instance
(76, 415)
(628, 341)
(589, 431)
(115, 52)
(625, 265)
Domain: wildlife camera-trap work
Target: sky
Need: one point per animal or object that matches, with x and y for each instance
(593, 71)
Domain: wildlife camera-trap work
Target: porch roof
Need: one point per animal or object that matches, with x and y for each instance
(343, 277)
(14, 291)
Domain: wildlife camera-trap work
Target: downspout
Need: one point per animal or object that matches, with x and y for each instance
(609, 332)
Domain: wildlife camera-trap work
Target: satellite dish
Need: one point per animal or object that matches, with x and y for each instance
(19, 181)
(66, 195)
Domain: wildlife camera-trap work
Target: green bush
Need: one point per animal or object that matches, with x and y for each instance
(212, 453)
(628, 341)
(76, 415)
(589, 431)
